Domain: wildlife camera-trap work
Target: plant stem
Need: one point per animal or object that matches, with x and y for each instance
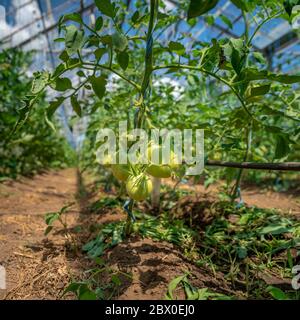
(113, 71)
(128, 227)
(240, 173)
(261, 24)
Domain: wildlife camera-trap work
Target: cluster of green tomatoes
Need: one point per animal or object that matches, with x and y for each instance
(137, 177)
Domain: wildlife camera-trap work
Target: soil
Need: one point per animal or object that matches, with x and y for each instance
(286, 202)
(40, 267)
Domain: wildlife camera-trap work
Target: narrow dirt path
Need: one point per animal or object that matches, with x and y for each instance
(23, 205)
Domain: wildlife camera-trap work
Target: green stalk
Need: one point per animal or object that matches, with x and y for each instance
(240, 173)
(145, 84)
(129, 224)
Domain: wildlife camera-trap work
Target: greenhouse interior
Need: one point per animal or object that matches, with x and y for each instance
(149, 150)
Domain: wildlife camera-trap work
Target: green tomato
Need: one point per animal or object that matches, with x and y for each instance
(162, 171)
(139, 187)
(121, 171)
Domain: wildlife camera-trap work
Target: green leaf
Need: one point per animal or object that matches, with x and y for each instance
(73, 287)
(64, 56)
(123, 59)
(209, 19)
(135, 17)
(49, 122)
(74, 39)
(236, 61)
(106, 7)
(116, 280)
(87, 294)
(284, 78)
(211, 57)
(242, 252)
(241, 4)
(59, 70)
(98, 85)
(251, 74)
(48, 230)
(53, 105)
(259, 57)
(99, 53)
(277, 293)
(119, 41)
(282, 147)
(259, 91)
(75, 105)
(274, 229)
(199, 7)
(73, 63)
(40, 81)
(289, 5)
(99, 24)
(61, 84)
(173, 285)
(177, 47)
(107, 40)
(76, 17)
(227, 21)
(59, 40)
(51, 217)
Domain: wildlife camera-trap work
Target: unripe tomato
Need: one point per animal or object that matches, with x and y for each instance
(121, 171)
(162, 171)
(139, 187)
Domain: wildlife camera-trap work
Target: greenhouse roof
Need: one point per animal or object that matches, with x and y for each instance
(30, 24)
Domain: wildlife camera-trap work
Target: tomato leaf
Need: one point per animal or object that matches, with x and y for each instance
(106, 7)
(40, 81)
(75, 105)
(227, 21)
(76, 17)
(53, 106)
(177, 47)
(259, 91)
(241, 4)
(282, 147)
(98, 85)
(123, 59)
(277, 293)
(99, 23)
(74, 39)
(99, 53)
(61, 84)
(289, 5)
(199, 7)
(255, 74)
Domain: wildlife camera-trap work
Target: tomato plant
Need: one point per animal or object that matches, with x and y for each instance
(224, 86)
(35, 146)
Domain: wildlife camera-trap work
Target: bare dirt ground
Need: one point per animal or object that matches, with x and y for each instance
(40, 267)
(287, 202)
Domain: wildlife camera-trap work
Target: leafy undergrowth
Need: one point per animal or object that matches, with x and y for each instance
(255, 249)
